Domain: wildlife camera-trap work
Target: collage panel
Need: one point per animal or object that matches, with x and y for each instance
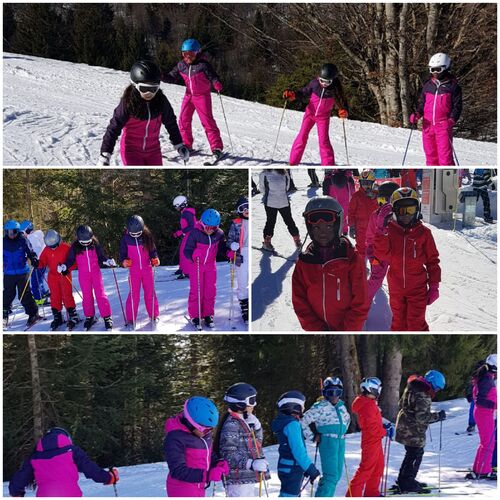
(125, 250)
(248, 415)
(374, 250)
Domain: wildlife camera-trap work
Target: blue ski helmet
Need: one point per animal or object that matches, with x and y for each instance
(436, 379)
(12, 224)
(201, 413)
(210, 217)
(26, 226)
(190, 45)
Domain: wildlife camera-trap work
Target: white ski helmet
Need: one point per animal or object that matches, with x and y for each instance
(491, 361)
(371, 385)
(439, 62)
(180, 202)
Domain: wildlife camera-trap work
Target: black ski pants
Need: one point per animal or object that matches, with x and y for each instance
(312, 175)
(272, 215)
(486, 201)
(409, 468)
(19, 281)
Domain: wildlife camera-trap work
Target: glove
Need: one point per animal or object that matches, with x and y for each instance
(114, 477)
(383, 217)
(312, 473)
(34, 262)
(343, 113)
(218, 86)
(104, 159)
(110, 263)
(61, 268)
(253, 422)
(155, 262)
(441, 415)
(216, 473)
(414, 117)
(352, 232)
(183, 151)
(177, 234)
(258, 464)
(127, 263)
(374, 261)
(235, 246)
(289, 95)
(390, 430)
(432, 293)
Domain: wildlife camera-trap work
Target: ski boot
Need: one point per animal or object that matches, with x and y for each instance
(33, 319)
(89, 321)
(488, 220)
(73, 318)
(217, 154)
(5, 318)
(244, 310)
(182, 276)
(108, 323)
(266, 244)
(209, 321)
(196, 323)
(57, 321)
(179, 271)
(476, 475)
(297, 241)
(470, 428)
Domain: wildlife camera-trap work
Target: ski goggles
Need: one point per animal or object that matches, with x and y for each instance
(135, 235)
(12, 232)
(198, 427)
(366, 184)
(189, 54)
(437, 69)
(147, 88)
(241, 208)
(321, 217)
(210, 229)
(334, 392)
(249, 401)
(411, 210)
(85, 243)
(325, 82)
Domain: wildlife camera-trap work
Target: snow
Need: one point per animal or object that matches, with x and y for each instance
(172, 298)
(468, 291)
(56, 113)
(457, 454)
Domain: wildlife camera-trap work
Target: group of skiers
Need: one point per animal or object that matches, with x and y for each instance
(202, 241)
(234, 455)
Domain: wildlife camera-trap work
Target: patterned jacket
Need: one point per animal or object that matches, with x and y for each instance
(329, 420)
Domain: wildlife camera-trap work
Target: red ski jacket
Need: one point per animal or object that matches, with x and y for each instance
(360, 209)
(369, 420)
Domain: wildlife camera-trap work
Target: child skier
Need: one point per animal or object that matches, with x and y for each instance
(54, 466)
(142, 110)
(366, 480)
(61, 287)
(293, 462)
(363, 203)
(198, 75)
(237, 241)
(485, 399)
(187, 222)
(339, 184)
(411, 425)
(88, 255)
(274, 183)
(203, 244)
(239, 442)
(326, 424)
(440, 105)
(324, 93)
(329, 279)
(378, 267)
(188, 449)
(480, 183)
(16, 253)
(138, 254)
(414, 273)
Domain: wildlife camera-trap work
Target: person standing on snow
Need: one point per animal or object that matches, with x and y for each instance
(239, 442)
(480, 182)
(440, 105)
(329, 279)
(409, 248)
(54, 466)
(142, 110)
(274, 183)
(293, 462)
(366, 480)
(188, 449)
(363, 203)
(198, 75)
(187, 222)
(237, 242)
(326, 424)
(324, 93)
(339, 184)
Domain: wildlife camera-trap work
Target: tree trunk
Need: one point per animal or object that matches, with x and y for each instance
(391, 68)
(403, 70)
(391, 380)
(350, 371)
(368, 355)
(431, 28)
(36, 389)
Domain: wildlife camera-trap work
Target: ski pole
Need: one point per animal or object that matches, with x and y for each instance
(388, 440)
(315, 460)
(439, 454)
(119, 295)
(114, 483)
(199, 289)
(347, 478)
(304, 485)
(407, 145)
(279, 128)
(454, 153)
(345, 141)
(261, 475)
(153, 305)
(231, 307)
(225, 119)
(73, 286)
(132, 298)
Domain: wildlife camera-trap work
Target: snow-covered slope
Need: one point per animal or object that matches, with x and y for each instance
(172, 298)
(457, 454)
(55, 113)
(468, 291)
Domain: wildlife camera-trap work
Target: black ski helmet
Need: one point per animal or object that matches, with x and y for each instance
(328, 71)
(242, 201)
(386, 189)
(84, 235)
(291, 403)
(241, 395)
(325, 204)
(135, 225)
(144, 71)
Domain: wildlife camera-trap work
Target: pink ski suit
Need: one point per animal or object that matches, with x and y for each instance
(198, 78)
(88, 260)
(361, 207)
(187, 222)
(317, 113)
(141, 273)
(203, 248)
(440, 105)
(485, 398)
(339, 184)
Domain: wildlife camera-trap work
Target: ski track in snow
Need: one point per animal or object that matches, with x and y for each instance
(457, 453)
(61, 113)
(468, 291)
(172, 298)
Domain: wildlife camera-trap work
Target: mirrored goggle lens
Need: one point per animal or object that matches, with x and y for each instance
(251, 400)
(12, 231)
(437, 69)
(319, 217)
(243, 207)
(136, 235)
(333, 393)
(189, 53)
(325, 82)
(85, 242)
(381, 200)
(144, 89)
(365, 183)
(412, 210)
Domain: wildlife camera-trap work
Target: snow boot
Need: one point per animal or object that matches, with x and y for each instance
(58, 321)
(297, 241)
(73, 317)
(471, 428)
(89, 321)
(209, 321)
(217, 154)
(488, 220)
(475, 475)
(266, 244)
(33, 319)
(196, 323)
(108, 323)
(179, 271)
(244, 310)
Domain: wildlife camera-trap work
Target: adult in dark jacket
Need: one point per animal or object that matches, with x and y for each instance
(481, 181)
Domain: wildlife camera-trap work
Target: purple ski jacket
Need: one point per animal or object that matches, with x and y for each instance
(206, 247)
(484, 391)
(133, 248)
(321, 99)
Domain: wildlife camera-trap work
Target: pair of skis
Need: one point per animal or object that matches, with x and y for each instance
(274, 253)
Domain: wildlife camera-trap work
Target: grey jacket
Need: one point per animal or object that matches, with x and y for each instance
(275, 187)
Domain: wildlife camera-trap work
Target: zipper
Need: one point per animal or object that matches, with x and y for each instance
(138, 252)
(208, 251)
(404, 261)
(147, 128)
(320, 99)
(208, 453)
(88, 260)
(189, 78)
(414, 249)
(324, 298)
(338, 289)
(435, 101)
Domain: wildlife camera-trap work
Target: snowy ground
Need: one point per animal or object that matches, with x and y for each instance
(457, 454)
(56, 113)
(172, 297)
(468, 292)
